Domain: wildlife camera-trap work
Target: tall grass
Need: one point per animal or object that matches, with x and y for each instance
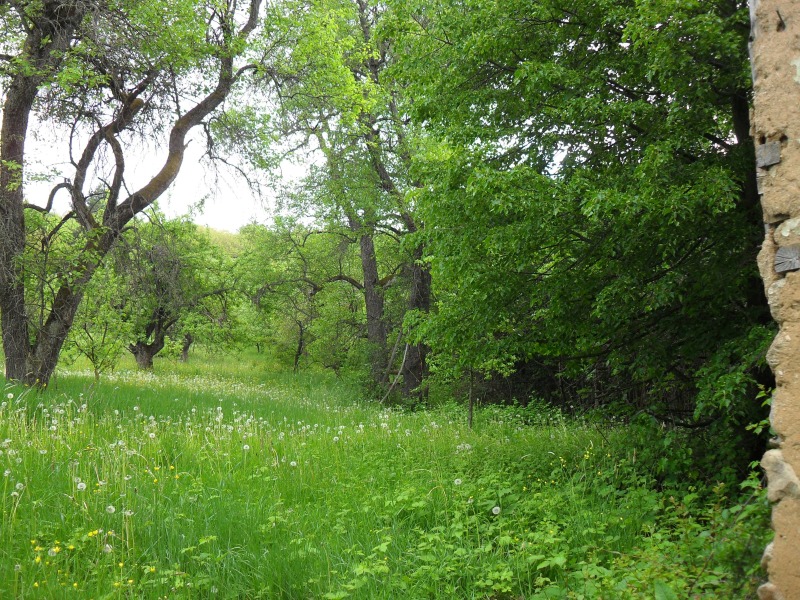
(221, 480)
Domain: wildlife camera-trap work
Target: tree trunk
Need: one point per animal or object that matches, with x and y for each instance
(48, 37)
(415, 369)
(145, 353)
(301, 344)
(188, 340)
(776, 103)
(373, 299)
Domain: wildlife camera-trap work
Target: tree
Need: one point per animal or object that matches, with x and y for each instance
(589, 207)
(106, 70)
(306, 284)
(176, 283)
(333, 98)
(99, 332)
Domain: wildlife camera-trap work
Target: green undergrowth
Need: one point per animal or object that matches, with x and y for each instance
(222, 482)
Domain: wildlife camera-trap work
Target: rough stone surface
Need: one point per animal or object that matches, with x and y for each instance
(775, 58)
(781, 479)
(768, 591)
(788, 232)
(767, 556)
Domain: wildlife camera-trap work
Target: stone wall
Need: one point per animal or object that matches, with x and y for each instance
(775, 56)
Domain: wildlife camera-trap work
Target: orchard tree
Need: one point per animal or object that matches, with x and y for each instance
(306, 285)
(176, 284)
(99, 332)
(112, 72)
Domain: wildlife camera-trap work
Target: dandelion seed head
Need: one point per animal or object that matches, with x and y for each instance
(496, 510)
(110, 509)
(457, 482)
(81, 486)
(246, 447)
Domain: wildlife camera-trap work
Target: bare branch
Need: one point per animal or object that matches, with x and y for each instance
(63, 185)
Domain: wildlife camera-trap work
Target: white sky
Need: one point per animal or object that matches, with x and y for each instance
(221, 199)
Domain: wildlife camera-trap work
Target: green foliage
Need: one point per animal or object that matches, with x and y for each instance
(100, 333)
(589, 198)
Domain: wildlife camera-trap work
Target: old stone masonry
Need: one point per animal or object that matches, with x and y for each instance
(775, 58)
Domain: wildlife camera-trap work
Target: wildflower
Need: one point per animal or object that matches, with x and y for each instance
(293, 463)
(335, 438)
(10, 396)
(7, 472)
(110, 509)
(107, 549)
(496, 510)
(81, 486)
(152, 435)
(19, 486)
(457, 482)
(245, 447)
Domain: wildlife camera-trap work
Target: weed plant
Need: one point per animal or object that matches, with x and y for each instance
(217, 481)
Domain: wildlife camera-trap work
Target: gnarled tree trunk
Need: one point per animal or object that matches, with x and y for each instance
(49, 35)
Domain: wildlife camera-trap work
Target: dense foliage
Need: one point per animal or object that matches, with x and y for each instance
(590, 205)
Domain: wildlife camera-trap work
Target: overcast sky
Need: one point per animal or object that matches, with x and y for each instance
(221, 199)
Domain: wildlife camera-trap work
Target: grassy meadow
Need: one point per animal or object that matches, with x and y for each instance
(216, 479)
